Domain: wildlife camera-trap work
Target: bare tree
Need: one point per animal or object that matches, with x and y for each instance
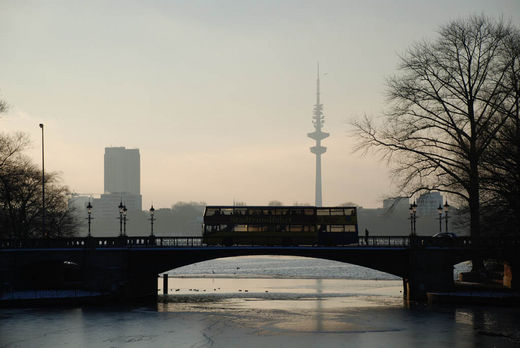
(12, 147)
(501, 169)
(20, 195)
(447, 106)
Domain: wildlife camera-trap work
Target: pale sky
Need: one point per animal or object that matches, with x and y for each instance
(217, 95)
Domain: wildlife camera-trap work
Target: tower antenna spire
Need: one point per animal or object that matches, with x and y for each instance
(318, 135)
(318, 84)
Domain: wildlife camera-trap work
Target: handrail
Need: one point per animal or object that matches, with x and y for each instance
(197, 241)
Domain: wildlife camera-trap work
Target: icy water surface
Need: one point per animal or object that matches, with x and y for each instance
(299, 304)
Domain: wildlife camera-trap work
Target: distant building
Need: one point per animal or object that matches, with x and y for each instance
(122, 178)
(122, 184)
(427, 203)
(106, 206)
(399, 204)
(394, 218)
(122, 170)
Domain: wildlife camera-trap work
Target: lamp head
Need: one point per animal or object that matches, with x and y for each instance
(152, 210)
(446, 206)
(89, 207)
(41, 125)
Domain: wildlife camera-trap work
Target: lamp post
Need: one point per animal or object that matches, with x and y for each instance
(124, 220)
(152, 218)
(89, 211)
(413, 217)
(121, 206)
(446, 208)
(43, 183)
(439, 209)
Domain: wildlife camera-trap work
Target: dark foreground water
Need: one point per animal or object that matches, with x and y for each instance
(207, 308)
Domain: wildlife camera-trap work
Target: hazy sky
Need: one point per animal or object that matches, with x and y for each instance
(217, 95)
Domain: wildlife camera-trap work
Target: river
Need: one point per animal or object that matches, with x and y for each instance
(267, 302)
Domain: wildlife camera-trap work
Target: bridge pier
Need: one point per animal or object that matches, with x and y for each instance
(428, 272)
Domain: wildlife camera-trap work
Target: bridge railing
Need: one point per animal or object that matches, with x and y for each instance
(100, 242)
(158, 242)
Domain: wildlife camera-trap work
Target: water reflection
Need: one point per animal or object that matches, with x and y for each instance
(292, 313)
(319, 315)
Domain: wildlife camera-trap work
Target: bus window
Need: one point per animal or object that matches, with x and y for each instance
(211, 211)
(296, 211)
(309, 212)
(296, 228)
(281, 211)
(337, 211)
(240, 211)
(322, 211)
(350, 211)
(226, 211)
(240, 228)
(337, 228)
(350, 228)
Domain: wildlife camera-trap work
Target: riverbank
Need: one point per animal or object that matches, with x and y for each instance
(476, 294)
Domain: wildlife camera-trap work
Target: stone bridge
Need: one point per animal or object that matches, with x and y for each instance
(128, 267)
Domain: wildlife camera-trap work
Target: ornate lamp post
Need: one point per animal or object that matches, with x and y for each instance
(439, 209)
(413, 217)
(446, 208)
(152, 218)
(121, 206)
(89, 211)
(124, 220)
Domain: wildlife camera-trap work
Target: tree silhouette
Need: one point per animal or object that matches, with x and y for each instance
(448, 104)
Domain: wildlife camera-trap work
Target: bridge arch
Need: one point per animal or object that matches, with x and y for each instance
(289, 266)
(393, 261)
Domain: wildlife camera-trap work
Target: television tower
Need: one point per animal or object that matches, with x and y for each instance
(318, 120)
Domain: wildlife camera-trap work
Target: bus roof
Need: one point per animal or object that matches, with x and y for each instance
(274, 207)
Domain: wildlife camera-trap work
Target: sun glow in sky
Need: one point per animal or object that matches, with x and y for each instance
(217, 95)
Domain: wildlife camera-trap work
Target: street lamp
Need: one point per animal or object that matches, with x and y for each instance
(43, 183)
(89, 211)
(152, 218)
(124, 220)
(121, 206)
(439, 209)
(413, 217)
(446, 208)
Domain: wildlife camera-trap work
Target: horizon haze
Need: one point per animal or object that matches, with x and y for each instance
(217, 96)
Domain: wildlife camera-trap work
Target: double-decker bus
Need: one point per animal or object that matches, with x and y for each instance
(279, 225)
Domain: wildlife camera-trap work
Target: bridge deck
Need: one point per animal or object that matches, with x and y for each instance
(176, 242)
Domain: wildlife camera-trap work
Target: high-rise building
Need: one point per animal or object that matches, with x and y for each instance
(122, 180)
(318, 135)
(122, 170)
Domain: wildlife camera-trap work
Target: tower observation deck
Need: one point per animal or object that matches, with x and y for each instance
(318, 135)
